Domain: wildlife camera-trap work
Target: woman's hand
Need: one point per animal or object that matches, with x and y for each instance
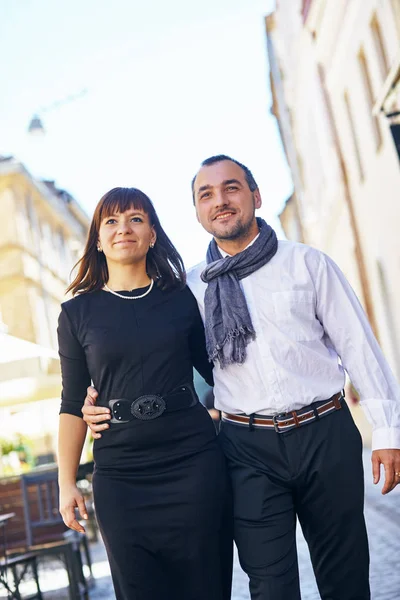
(70, 499)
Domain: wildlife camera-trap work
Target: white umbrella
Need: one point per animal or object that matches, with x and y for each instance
(21, 376)
(13, 349)
(29, 389)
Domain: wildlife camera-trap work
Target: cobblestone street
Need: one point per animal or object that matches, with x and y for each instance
(383, 522)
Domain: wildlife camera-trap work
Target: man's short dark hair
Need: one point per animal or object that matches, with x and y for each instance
(251, 182)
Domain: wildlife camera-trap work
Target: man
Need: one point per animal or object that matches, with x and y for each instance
(282, 324)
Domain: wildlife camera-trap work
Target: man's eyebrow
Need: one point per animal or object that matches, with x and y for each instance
(230, 181)
(203, 188)
(207, 186)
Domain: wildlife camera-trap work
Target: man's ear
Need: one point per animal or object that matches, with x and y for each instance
(257, 198)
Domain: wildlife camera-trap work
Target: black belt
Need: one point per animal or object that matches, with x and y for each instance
(152, 406)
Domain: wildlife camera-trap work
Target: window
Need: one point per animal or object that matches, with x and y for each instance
(306, 5)
(369, 96)
(389, 314)
(24, 230)
(380, 48)
(396, 15)
(353, 132)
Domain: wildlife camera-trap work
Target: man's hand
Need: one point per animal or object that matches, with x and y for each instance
(390, 459)
(93, 415)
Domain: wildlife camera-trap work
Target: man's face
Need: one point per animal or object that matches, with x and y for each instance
(225, 205)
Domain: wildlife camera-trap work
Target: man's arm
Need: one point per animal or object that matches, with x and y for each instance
(347, 326)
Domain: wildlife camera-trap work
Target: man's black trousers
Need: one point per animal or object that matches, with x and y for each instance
(314, 472)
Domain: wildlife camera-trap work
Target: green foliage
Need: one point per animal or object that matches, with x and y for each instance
(7, 446)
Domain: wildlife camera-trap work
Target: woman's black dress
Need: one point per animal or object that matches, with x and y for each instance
(160, 485)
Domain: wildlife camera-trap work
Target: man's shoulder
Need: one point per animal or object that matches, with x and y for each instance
(194, 281)
(193, 274)
(288, 250)
(288, 247)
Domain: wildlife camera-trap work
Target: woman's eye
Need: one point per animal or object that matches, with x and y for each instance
(137, 219)
(110, 221)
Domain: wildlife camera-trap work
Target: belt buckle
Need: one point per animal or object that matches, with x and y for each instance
(275, 422)
(148, 407)
(117, 411)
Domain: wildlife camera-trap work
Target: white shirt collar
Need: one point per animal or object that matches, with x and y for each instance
(225, 254)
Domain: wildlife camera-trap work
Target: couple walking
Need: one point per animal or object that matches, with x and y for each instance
(281, 328)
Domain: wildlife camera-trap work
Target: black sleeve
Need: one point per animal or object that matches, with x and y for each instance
(74, 372)
(197, 345)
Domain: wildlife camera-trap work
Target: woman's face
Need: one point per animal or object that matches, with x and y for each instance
(125, 237)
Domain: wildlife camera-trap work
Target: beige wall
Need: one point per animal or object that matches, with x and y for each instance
(39, 243)
(330, 40)
(40, 239)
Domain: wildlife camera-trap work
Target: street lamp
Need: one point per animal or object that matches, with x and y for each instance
(36, 127)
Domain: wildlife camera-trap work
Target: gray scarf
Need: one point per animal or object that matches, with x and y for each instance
(227, 319)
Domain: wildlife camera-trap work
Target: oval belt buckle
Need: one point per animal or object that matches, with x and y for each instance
(148, 407)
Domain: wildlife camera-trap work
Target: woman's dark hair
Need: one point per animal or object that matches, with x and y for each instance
(163, 262)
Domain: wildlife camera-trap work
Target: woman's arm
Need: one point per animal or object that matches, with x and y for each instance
(71, 437)
(72, 429)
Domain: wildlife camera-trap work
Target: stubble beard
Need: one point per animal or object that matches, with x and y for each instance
(239, 231)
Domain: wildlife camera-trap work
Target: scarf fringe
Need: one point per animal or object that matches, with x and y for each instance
(238, 355)
(226, 326)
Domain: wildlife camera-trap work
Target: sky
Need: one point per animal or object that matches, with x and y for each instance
(137, 94)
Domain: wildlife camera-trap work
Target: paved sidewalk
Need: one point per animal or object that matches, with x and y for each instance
(383, 522)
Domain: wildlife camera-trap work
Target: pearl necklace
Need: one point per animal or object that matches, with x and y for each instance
(130, 297)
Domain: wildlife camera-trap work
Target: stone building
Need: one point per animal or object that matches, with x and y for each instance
(42, 234)
(335, 72)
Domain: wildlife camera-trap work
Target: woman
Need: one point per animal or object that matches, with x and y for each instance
(134, 329)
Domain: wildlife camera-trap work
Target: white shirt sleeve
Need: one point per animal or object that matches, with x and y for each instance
(346, 324)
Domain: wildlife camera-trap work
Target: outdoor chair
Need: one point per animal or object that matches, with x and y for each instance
(19, 565)
(43, 534)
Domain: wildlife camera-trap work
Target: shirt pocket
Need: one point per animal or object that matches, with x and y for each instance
(295, 315)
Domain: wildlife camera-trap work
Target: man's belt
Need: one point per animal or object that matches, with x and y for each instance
(290, 420)
(152, 406)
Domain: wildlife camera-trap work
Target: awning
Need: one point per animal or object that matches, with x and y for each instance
(29, 389)
(13, 349)
(22, 377)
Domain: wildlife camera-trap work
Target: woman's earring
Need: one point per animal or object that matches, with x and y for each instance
(99, 249)
(151, 244)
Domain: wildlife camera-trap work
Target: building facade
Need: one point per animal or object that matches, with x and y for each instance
(335, 72)
(42, 235)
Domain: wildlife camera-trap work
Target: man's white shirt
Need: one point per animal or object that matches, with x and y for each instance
(306, 317)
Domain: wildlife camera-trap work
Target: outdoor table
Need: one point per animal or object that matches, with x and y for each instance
(3, 566)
